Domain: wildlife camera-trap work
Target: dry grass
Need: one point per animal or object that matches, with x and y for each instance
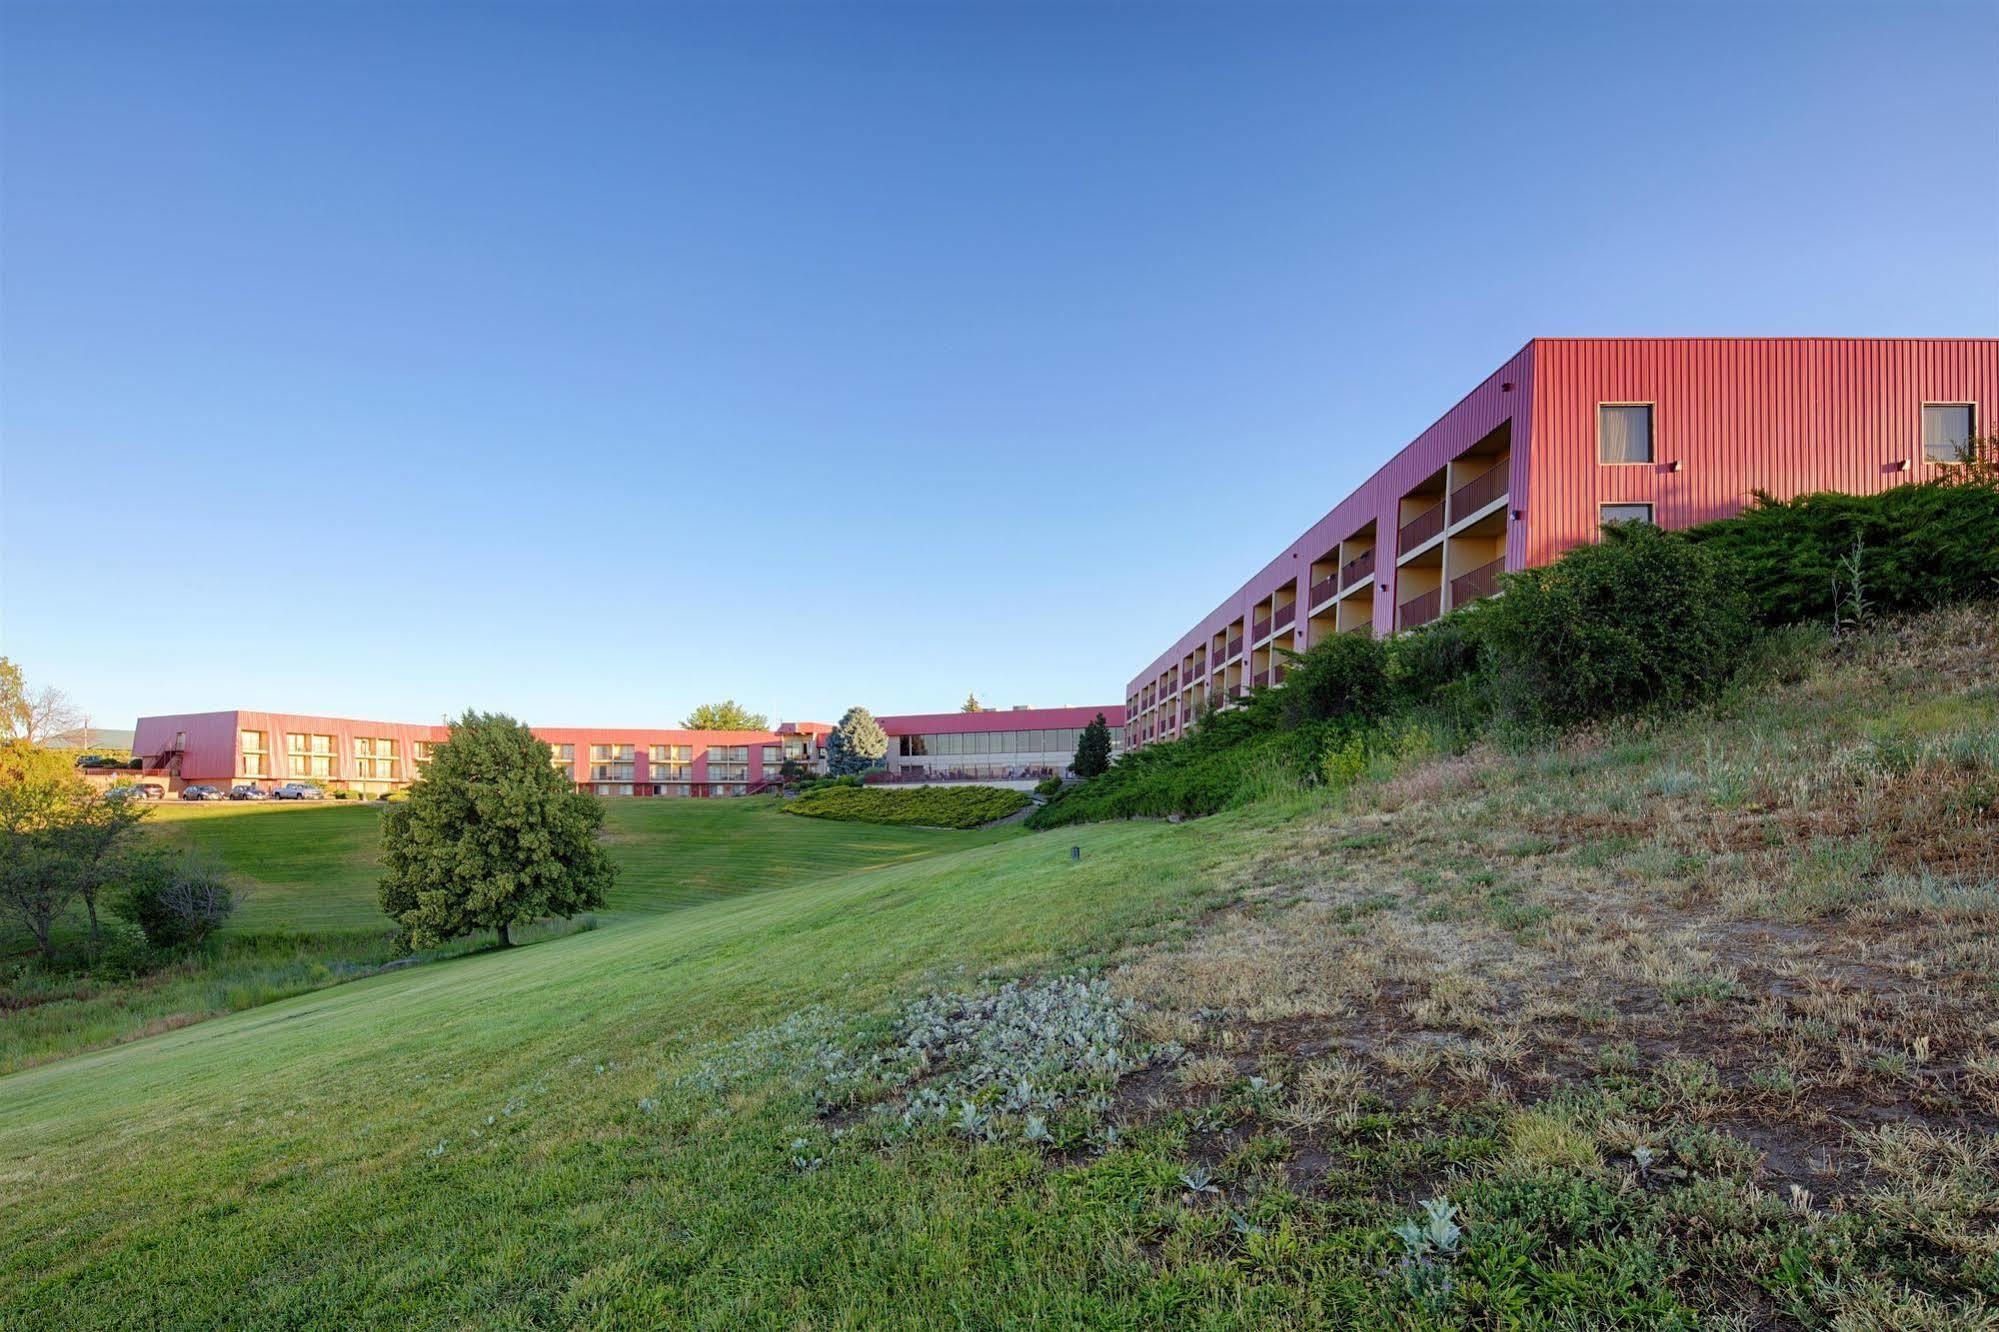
(1775, 924)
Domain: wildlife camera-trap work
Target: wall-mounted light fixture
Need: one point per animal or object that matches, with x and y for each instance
(1506, 386)
(1673, 466)
(1899, 465)
(1519, 514)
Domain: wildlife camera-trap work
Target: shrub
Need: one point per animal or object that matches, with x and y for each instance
(1929, 544)
(177, 901)
(1048, 786)
(1346, 676)
(1643, 617)
(916, 806)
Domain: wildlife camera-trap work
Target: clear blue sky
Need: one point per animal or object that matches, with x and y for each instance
(590, 361)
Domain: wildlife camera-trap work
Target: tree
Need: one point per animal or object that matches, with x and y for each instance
(972, 704)
(33, 716)
(94, 845)
(58, 839)
(856, 744)
(492, 834)
(728, 715)
(1093, 749)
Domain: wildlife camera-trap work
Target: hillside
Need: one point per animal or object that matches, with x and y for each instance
(311, 916)
(1670, 1022)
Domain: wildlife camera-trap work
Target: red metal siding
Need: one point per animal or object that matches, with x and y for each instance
(1786, 415)
(1012, 719)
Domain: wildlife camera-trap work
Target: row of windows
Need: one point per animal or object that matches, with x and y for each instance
(1624, 432)
(1056, 741)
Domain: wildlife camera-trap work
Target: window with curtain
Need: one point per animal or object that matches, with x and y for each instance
(1624, 433)
(1947, 429)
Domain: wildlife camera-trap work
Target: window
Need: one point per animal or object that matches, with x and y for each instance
(562, 756)
(1625, 513)
(1624, 432)
(1948, 429)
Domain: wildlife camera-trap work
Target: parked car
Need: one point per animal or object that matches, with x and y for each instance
(137, 791)
(298, 791)
(200, 792)
(246, 792)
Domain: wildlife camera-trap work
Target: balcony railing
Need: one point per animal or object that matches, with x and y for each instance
(1285, 615)
(1420, 609)
(1235, 650)
(1357, 568)
(1260, 679)
(1261, 630)
(1277, 675)
(1480, 582)
(1325, 590)
(1421, 528)
(1235, 691)
(1481, 490)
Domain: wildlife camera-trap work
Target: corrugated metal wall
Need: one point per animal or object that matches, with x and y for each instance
(1787, 415)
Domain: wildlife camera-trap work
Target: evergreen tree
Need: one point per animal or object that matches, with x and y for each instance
(1093, 749)
(856, 744)
(492, 835)
(971, 704)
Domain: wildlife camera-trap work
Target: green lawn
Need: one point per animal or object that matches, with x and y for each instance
(460, 1143)
(311, 919)
(314, 867)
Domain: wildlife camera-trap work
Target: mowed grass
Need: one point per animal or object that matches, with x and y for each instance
(311, 918)
(315, 866)
(461, 1144)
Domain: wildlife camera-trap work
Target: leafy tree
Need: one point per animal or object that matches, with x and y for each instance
(491, 835)
(1093, 749)
(59, 840)
(856, 744)
(728, 715)
(971, 704)
(94, 843)
(33, 716)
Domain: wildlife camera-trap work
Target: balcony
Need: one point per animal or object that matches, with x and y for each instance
(1480, 582)
(1284, 617)
(1359, 567)
(1235, 650)
(1421, 528)
(1260, 679)
(1481, 490)
(1261, 631)
(1277, 675)
(1420, 609)
(1325, 590)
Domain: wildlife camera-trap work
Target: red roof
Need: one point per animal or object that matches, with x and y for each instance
(1016, 719)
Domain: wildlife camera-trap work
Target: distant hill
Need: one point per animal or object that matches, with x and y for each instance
(97, 737)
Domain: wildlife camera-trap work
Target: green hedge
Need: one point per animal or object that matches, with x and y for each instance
(1643, 618)
(915, 806)
(1931, 544)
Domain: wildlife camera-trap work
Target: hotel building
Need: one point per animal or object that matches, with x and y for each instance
(269, 749)
(1017, 747)
(1568, 435)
